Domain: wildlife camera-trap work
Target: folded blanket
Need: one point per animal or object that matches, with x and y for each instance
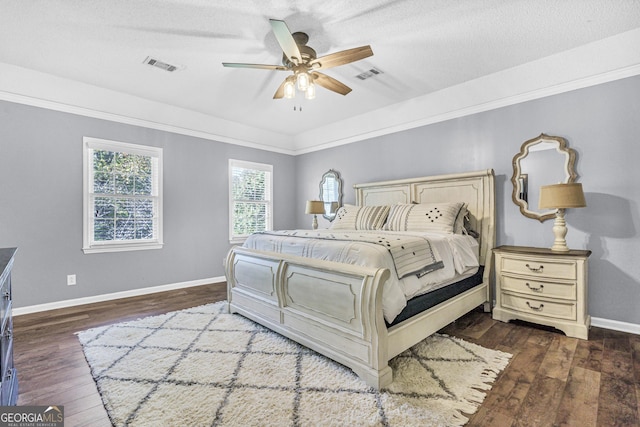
(410, 254)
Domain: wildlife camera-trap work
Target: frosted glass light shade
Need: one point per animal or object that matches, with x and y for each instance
(310, 93)
(303, 80)
(289, 89)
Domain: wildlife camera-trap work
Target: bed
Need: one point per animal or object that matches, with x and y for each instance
(336, 308)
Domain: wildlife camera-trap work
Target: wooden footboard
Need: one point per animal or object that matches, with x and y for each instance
(336, 308)
(332, 308)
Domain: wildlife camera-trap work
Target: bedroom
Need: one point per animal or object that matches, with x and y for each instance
(597, 115)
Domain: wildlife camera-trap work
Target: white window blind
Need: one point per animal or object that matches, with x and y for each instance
(250, 198)
(122, 196)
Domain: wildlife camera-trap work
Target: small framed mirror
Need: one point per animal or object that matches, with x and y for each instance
(543, 160)
(331, 193)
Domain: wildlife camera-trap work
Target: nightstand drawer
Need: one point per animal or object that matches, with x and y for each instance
(539, 267)
(539, 307)
(539, 287)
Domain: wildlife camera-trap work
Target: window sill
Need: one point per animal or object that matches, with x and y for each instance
(121, 247)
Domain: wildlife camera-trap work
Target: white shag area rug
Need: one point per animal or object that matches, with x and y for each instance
(205, 367)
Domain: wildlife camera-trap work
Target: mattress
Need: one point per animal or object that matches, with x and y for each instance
(431, 299)
(458, 255)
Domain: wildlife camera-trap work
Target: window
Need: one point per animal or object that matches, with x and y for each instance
(122, 196)
(250, 204)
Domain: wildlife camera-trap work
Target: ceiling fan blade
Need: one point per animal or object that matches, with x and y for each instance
(341, 58)
(280, 91)
(286, 40)
(260, 66)
(330, 83)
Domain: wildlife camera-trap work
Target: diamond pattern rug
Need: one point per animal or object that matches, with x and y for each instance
(204, 367)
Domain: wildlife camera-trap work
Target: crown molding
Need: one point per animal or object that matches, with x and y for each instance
(617, 57)
(37, 89)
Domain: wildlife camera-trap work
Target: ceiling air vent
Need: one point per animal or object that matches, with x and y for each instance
(370, 73)
(159, 64)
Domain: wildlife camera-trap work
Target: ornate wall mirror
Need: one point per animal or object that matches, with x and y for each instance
(541, 161)
(331, 193)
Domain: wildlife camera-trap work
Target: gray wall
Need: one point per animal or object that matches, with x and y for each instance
(41, 191)
(602, 123)
(41, 206)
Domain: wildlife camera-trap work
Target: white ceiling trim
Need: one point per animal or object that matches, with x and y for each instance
(29, 87)
(615, 58)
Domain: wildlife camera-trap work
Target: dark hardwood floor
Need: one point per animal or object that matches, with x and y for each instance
(552, 380)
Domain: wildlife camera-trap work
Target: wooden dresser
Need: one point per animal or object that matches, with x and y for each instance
(542, 286)
(9, 378)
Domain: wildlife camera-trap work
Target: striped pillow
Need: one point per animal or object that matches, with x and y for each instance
(350, 217)
(438, 217)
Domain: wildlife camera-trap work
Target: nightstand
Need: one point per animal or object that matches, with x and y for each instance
(543, 286)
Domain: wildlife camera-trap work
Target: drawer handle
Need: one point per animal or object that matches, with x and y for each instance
(538, 289)
(6, 295)
(535, 270)
(538, 308)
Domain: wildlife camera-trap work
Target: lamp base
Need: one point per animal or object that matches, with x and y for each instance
(315, 222)
(560, 248)
(560, 231)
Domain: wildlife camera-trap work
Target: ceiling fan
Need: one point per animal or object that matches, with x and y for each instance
(302, 61)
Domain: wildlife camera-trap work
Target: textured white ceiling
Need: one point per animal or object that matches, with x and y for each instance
(421, 46)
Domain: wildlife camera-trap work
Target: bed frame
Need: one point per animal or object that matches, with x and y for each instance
(335, 308)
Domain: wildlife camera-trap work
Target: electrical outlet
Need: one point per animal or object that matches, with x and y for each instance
(71, 279)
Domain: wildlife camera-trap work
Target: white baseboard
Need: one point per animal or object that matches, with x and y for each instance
(116, 295)
(616, 325)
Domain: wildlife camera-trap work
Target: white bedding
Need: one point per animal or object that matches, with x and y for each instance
(459, 254)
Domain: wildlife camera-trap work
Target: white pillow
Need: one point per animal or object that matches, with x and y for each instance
(438, 217)
(350, 217)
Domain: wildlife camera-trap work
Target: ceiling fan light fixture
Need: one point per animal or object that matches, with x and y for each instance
(303, 61)
(303, 80)
(310, 93)
(289, 89)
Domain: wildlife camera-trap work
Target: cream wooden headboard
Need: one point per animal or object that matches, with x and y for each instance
(476, 189)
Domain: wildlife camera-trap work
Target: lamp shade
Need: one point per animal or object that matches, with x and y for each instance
(314, 207)
(561, 196)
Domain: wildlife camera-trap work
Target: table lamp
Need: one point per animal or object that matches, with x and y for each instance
(314, 207)
(561, 197)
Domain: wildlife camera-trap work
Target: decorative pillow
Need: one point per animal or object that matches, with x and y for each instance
(439, 217)
(350, 217)
(461, 220)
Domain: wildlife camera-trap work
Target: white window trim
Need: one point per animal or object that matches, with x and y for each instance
(248, 165)
(89, 246)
